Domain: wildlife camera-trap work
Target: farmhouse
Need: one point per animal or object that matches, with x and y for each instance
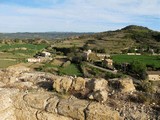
(34, 60)
(45, 54)
(102, 56)
(153, 75)
(86, 54)
(108, 62)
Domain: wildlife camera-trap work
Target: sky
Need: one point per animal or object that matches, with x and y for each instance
(77, 15)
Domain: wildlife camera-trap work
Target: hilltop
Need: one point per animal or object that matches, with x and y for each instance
(116, 41)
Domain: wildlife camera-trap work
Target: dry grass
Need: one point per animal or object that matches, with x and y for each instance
(58, 61)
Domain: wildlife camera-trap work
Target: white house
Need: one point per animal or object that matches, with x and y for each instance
(102, 56)
(133, 53)
(153, 75)
(34, 60)
(108, 62)
(45, 54)
(86, 54)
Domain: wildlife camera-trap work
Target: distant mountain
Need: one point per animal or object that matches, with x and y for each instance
(42, 35)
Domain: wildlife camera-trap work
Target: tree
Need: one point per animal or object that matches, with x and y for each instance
(139, 69)
(86, 47)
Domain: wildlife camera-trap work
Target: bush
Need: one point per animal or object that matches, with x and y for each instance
(139, 69)
(144, 98)
(147, 87)
(109, 75)
(71, 69)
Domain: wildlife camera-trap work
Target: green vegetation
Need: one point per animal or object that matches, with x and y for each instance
(89, 71)
(11, 54)
(28, 49)
(117, 41)
(71, 69)
(109, 75)
(139, 69)
(145, 59)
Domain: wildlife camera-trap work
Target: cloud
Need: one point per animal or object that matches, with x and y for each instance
(78, 15)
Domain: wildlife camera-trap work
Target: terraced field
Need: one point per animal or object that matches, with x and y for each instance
(16, 53)
(146, 59)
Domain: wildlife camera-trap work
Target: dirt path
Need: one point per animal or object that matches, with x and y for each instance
(9, 59)
(100, 68)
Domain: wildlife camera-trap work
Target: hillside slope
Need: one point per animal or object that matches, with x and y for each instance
(116, 41)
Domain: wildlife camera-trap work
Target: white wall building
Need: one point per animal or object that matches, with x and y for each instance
(34, 60)
(45, 54)
(153, 75)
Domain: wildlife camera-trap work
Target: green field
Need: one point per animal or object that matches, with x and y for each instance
(146, 59)
(70, 70)
(19, 48)
(16, 53)
(28, 46)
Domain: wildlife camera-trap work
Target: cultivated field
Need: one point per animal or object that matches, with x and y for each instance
(146, 59)
(16, 53)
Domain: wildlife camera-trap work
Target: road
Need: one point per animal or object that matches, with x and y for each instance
(100, 68)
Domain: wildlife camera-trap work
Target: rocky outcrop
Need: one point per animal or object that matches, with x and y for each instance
(127, 85)
(17, 69)
(98, 85)
(96, 111)
(16, 105)
(79, 84)
(62, 84)
(36, 106)
(100, 96)
(73, 108)
(30, 95)
(97, 88)
(6, 107)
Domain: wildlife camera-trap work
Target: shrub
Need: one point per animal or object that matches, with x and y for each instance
(144, 98)
(147, 87)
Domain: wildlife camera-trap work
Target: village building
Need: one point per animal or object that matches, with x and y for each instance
(153, 75)
(95, 56)
(108, 62)
(34, 60)
(45, 54)
(133, 53)
(102, 56)
(86, 54)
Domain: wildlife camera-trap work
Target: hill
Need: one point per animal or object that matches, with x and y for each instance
(120, 40)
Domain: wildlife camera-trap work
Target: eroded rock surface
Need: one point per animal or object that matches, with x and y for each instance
(97, 111)
(30, 95)
(127, 85)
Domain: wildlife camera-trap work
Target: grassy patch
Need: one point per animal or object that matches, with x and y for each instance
(148, 60)
(16, 53)
(28, 46)
(72, 69)
(22, 49)
(7, 63)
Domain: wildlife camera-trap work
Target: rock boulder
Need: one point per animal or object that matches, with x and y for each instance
(127, 85)
(97, 111)
(62, 84)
